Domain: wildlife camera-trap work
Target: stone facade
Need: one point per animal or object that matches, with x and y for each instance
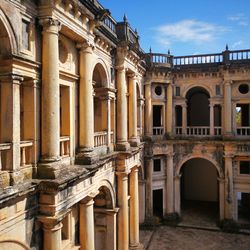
(84, 114)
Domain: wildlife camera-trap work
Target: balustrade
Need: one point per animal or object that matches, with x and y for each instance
(237, 55)
(217, 131)
(178, 130)
(158, 130)
(100, 138)
(243, 131)
(64, 146)
(198, 131)
(26, 153)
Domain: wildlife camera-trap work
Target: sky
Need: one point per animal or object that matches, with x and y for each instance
(186, 27)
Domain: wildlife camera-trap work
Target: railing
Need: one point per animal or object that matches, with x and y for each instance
(198, 131)
(243, 131)
(100, 138)
(178, 130)
(158, 130)
(64, 146)
(238, 55)
(156, 58)
(4, 147)
(26, 153)
(243, 148)
(198, 59)
(217, 131)
(110, 23)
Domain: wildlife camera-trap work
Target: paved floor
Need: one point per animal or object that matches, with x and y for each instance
(178, 238)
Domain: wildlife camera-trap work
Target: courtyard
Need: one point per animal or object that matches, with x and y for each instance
(183, 238)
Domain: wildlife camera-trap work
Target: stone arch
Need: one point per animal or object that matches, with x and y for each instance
(201, 156)
(205, 88)
(100, 73)
(7, 33)
(7, 244)
(106, 191)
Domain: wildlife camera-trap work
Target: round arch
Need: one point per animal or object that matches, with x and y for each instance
(100, 73)
(200, 156)
(13, 244)
(107, 190)
(6, 28)
(193, 86)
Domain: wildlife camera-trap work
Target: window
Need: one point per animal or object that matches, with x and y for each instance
(177, 91)
(244, 167)
(157, 165)
(26, 35)
(243, 88)
(158, 90)
(217, 89)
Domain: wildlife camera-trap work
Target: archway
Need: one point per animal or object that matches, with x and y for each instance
(199, 192)
(197, 107)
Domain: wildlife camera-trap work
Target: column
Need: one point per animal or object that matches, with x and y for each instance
(211, 118)
(148, 111)
(87, 227)
(50, 91)
(177, 194)
(122, 113)
(10, 118)
(229, 191)
(170, 184)
(184, 119)
(234, 104)
(169, 109)
(52, 239)
(133, 138)
(134, 210)
(123, 237)
(108, 107)
(222, 198)
(86, 104)
(227, 109)
(149, 192)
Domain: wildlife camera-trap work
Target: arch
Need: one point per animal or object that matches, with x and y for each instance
(5, 27)
(10, 243)
(201, 156)
(100, 73)
(201, 87)
(106, 188)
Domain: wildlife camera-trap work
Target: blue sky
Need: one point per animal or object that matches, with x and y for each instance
(186, 27)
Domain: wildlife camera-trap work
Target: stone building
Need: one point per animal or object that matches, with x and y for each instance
(94, 132)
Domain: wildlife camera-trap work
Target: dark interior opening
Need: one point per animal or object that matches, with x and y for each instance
(157, 165)
(178, 116)
(243, 208)
(158, 203)
(157, 116)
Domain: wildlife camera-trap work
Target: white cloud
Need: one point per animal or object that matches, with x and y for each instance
(188, 30)
(240, 18)
(237, 44)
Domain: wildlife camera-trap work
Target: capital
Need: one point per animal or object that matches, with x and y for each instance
(87, 46)
(50, 25)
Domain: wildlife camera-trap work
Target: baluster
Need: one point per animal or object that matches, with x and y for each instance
(62, 148)
(23, 156)
(0, 160)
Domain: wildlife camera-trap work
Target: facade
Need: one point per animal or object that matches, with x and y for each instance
(95, 133)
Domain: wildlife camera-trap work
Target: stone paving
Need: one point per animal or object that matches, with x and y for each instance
(178, 238)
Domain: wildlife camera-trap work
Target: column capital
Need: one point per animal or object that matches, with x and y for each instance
(12, 78)
(227, 82)
(123, 175)
(86, 47)
(50, 25)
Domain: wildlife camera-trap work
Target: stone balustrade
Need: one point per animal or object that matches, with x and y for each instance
(26, 153)
(100, 138)
(4, 149)
(64, 146)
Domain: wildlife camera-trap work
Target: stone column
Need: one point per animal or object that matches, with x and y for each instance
(169, 109)
(211, 119)
(134, 210)
(122, 114)
(108, 107)
(122, 194)
(52, 239)
(184, 119)
(227, 109)
(229, 189)
(148, 111)
(222, 198)
(86, 104)
(50, 91)
(234, 104)
(133, 138)
(87, 227)
(170, 184)
(10, 119)
(149, 192)
(177, 194)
